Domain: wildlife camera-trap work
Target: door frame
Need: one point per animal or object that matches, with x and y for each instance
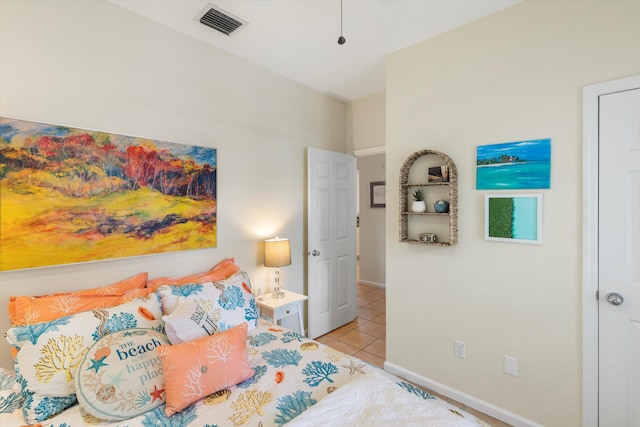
(590, 167)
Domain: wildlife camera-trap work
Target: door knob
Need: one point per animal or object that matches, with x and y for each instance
(614, 298)
(314, 253)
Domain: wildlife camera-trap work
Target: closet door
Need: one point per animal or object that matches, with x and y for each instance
(619, 259)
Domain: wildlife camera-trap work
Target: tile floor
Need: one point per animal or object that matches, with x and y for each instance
(364, 338)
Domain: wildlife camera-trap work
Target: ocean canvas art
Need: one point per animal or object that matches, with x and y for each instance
(514, 165)
(70, 195)
(513, 217)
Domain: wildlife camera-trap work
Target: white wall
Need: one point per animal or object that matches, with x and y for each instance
(93, 65)
(512, 76)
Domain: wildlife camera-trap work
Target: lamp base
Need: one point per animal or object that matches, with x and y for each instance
(277, 294)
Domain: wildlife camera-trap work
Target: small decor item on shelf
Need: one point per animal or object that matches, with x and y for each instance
(419, 205)
(428, 237)
(441, 206)
(438, 174)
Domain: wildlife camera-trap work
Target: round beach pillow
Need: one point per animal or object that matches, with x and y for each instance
(121, 376)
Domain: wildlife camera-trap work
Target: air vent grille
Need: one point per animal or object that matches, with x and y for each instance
(220, 21)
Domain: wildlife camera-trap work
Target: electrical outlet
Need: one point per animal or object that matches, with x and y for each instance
(511, 366)
(458, 349)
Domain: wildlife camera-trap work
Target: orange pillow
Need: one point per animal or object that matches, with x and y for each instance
(223, 270)
(26, 310)
(207, 365)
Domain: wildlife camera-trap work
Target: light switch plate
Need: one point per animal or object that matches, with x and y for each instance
(511, 366)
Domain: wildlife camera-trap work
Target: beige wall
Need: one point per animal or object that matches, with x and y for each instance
(372, 222)
(512, 76)
(366, 137)
(91, 64)
(366, 123)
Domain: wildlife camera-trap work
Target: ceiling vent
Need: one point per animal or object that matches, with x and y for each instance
(220, 20)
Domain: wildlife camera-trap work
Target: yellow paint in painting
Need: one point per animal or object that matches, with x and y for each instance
(48, 228)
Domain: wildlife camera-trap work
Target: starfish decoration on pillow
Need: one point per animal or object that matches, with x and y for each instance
(156, 393)
(97, 364)
(117, 379)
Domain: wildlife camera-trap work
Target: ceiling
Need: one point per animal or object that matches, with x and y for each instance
(298, 38)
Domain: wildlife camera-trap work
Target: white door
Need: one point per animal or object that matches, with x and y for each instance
(619, 259)
(331, 240)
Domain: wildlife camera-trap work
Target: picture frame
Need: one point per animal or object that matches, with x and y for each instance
(514, 218)
(377, 194)
(521, 165)
(99, 195)
(438, 174)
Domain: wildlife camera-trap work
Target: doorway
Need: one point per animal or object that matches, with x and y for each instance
(371, 221)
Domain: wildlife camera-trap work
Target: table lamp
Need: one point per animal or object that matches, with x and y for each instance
(277, 253)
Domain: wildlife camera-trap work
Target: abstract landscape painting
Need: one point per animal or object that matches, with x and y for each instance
(70, 195)
(514, 165)
(513, 217)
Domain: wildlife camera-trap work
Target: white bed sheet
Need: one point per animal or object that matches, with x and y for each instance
(375, 400)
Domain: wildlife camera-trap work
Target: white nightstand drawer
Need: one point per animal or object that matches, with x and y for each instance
(276, 309)
(285, 311)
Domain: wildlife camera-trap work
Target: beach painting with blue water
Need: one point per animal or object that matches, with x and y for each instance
(514, 165)
(513, 217)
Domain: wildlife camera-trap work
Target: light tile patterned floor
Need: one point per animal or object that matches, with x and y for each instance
(365, 338)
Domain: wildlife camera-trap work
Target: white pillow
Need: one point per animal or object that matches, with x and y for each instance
(228, 302)
(121, 376)
(188, 321)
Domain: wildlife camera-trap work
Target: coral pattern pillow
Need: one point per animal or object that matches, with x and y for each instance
(193, 370)
(224, 269)
(50, 352)
(26, 310)
(121, 376)
(229, 302)
(189, 321)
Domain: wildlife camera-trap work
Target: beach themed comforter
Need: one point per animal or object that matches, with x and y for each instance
(297, 382)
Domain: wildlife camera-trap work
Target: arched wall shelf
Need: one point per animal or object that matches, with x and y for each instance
(412, 224)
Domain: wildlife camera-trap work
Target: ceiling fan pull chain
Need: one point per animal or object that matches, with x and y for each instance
(341, 40)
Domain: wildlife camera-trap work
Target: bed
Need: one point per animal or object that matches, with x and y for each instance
(193, 352)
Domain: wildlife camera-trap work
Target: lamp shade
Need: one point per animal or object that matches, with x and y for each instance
(277, 252)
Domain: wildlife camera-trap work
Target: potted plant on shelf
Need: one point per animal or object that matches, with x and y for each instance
(418, 205)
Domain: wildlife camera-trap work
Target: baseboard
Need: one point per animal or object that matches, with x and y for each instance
(377, 285)
(466, 399)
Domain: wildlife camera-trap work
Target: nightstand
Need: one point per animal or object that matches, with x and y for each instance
(277, 309)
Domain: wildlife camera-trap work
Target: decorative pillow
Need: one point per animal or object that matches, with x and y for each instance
(50, 352)
(26, 310)
(228, 302)
(189, 321)
(224, 269)
(121, 375)
(196, 369)
(10, 397)
(135, 294)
